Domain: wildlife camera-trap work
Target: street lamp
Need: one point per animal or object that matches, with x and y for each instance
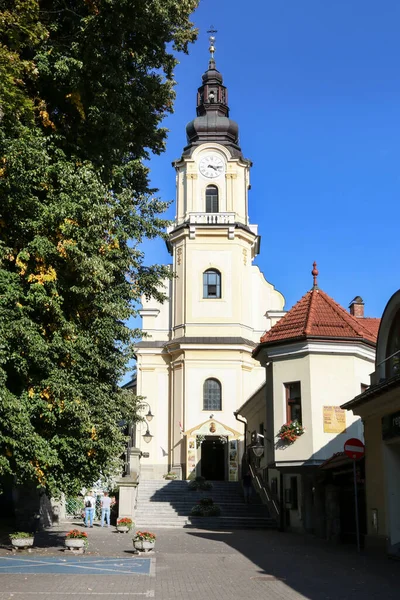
(147, 436)
(257, 447)
(258, 451)
(149, 415)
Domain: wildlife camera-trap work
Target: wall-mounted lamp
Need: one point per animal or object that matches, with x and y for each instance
(147, 436)
(258, 451)
(149, 416)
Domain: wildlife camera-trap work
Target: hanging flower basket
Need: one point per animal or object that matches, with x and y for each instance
(289, 432)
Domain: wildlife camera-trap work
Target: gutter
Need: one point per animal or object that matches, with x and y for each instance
(245, 431)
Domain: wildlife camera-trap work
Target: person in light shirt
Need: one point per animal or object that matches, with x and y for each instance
(105, 509)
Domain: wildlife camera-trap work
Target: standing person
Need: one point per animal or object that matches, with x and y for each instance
(90, 503)
(105, 509)
(247, 486)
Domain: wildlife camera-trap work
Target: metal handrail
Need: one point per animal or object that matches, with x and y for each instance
(265, 494)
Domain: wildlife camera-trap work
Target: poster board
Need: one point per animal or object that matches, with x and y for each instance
(334, 419)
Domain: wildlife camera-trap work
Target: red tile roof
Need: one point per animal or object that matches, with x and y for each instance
(316, 315)
(372, 324)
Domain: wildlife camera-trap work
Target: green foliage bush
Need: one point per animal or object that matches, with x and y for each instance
(78, 118)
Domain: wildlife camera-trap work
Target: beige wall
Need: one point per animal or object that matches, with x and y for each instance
(254, 411)
(326, 380)
(375, 476)
(335, 379)
(382, 469)
(244, 290)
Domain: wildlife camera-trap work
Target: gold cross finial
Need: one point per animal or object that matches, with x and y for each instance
(212, 31)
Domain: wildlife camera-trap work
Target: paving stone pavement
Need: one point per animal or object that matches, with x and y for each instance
(198, 564)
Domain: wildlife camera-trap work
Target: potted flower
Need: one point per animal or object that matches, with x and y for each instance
(289, 432)
(144, 541)
(124, 524)
(21, 539)
(200, 483)
(76, 540)
(205, 508)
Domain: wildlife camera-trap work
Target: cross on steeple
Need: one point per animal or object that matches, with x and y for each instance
(211, 31)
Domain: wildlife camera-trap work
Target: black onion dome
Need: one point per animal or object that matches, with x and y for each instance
(212, 123)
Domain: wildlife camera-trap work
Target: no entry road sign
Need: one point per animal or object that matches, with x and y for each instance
(354, 448)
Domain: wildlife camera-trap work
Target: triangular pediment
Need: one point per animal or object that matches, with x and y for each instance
(213, 427)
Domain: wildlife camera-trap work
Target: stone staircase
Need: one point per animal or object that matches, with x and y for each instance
(168, 504)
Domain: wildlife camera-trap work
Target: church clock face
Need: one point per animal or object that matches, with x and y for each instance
(211, 166)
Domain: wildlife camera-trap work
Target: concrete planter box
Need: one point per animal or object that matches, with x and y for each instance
(122, 528)
(22, 543)
(143, 545)
(75, 544)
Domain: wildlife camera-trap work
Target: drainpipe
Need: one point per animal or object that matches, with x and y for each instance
(245, 432)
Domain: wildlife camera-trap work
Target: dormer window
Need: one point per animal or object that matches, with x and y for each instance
(212, 284)
(211, 199)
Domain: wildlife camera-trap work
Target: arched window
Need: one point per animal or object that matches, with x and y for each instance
(211, 284)
(211, 199)
(212, 395)
(393, 346)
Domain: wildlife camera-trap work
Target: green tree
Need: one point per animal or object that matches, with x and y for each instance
(86, 85)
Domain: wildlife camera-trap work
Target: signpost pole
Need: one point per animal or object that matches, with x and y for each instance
(356, 505)
(355, 449)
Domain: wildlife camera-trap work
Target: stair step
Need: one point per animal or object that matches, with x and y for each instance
(169, 503)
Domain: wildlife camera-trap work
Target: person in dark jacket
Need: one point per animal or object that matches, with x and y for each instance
(247, 486)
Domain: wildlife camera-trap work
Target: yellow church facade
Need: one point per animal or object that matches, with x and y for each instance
(195, 365)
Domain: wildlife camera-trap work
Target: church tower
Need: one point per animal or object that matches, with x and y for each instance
(195, 366)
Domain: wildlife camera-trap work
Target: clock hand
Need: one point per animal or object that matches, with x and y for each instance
(212, 167)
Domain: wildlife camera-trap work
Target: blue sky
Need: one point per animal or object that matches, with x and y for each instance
(315, 88)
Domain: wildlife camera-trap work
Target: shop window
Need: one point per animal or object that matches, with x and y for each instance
(293, 401)
(211, 284)
(212, 199)
(212, 395)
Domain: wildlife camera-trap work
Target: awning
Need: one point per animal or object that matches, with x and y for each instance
(337, 460)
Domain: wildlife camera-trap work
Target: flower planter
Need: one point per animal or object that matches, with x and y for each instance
(122, 528)
(143, 545)
(75, 544)
(22, 543)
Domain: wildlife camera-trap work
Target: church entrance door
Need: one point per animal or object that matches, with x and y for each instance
(213, 459)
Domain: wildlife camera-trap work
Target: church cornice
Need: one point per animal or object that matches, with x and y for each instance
(198, 342)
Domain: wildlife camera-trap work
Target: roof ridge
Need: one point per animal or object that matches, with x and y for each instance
(311, 311)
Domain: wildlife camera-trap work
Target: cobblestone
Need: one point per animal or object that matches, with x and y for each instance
(223, 565)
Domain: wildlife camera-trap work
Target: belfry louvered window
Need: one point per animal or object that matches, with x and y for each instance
(211, 284)
(211, 199)
(212, 395)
